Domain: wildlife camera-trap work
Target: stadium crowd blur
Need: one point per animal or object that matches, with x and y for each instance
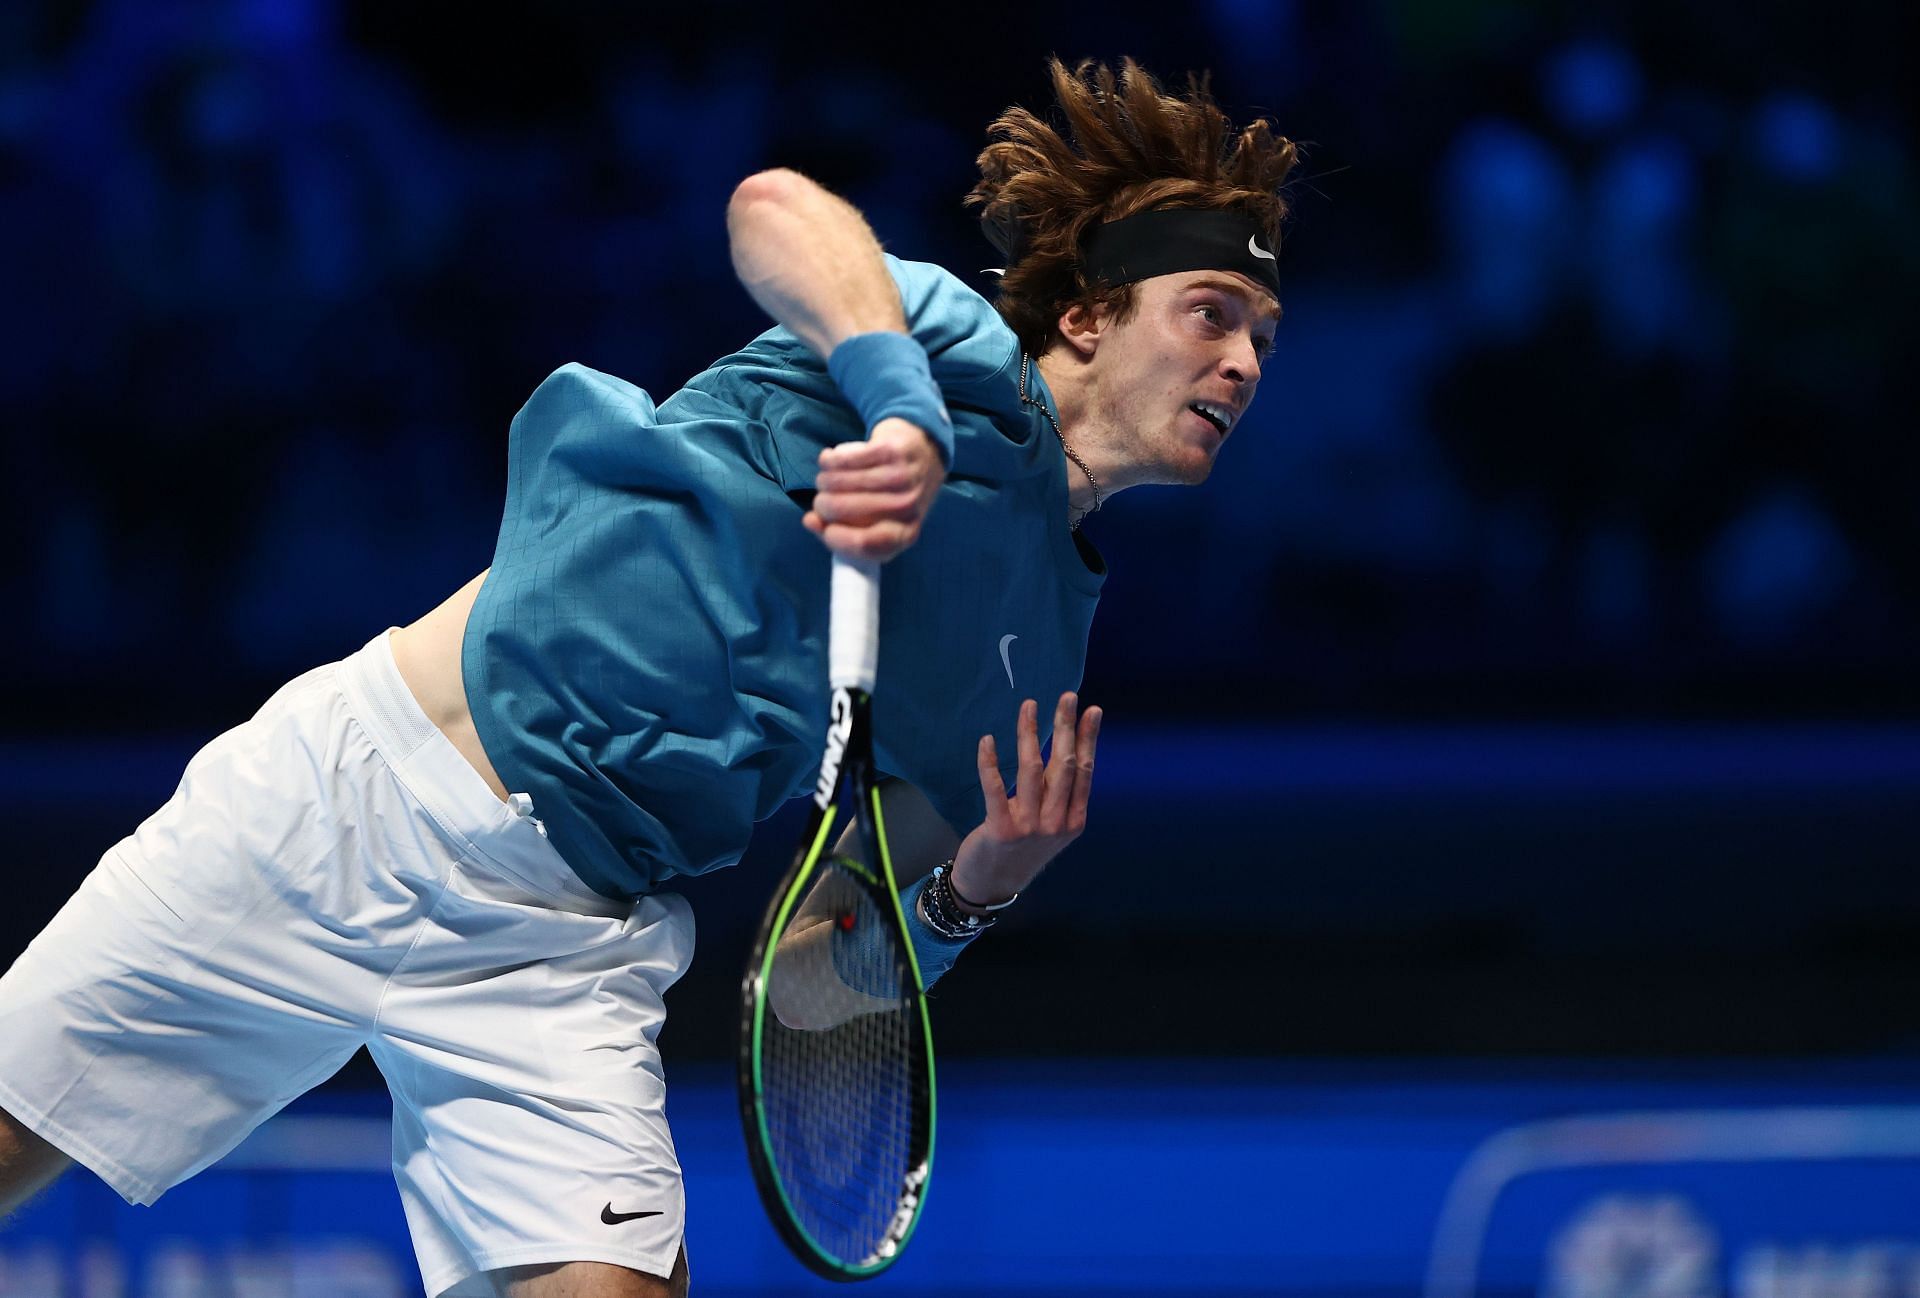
(1587, 402)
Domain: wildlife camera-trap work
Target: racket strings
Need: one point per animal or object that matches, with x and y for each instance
(841, 1061)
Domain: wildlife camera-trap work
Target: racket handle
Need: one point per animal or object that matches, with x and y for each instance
(853, 624)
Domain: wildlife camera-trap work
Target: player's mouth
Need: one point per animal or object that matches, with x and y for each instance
(1214, 415)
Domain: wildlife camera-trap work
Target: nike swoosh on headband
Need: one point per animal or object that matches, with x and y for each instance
(1167, 241)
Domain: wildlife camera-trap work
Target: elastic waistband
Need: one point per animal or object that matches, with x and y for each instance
(505, 835)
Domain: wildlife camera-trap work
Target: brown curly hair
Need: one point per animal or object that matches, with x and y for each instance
(1129, 147)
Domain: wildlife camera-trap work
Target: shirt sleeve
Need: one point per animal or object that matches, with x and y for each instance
(967, 342)
(936, 954)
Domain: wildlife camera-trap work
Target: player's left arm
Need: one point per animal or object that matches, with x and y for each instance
(918, 837)
(1047, 810)
(915, 833)
(1023, 831)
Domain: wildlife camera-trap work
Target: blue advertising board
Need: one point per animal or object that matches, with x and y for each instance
(1128, 1176)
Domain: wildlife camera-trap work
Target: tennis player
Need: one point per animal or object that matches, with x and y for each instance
(456, 846)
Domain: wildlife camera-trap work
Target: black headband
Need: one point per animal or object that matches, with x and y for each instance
(1165, 242)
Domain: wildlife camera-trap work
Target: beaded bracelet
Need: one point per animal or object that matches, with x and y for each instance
(943, 915)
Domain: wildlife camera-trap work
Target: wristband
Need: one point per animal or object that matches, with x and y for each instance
(886, 375)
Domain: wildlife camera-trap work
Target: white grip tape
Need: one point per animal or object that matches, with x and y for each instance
(853, 623)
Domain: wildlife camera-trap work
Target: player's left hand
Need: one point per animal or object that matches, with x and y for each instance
(1046, 812)
(871, 498)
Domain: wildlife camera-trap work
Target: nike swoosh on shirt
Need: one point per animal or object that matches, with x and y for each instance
(1005, 659)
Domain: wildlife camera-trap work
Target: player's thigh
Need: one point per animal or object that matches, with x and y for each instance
(28, 1164)
(592, 1280)
(530, 1127)
(228, 954)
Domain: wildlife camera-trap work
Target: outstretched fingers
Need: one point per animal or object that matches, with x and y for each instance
(1047, 810)
(1050, 794)
(1059, 787)
(1085, 742)
(995, 788)
(1030, 784)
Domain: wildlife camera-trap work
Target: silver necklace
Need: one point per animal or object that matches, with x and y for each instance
(1080, 515)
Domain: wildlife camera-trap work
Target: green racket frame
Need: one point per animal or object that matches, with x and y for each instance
(855, 763)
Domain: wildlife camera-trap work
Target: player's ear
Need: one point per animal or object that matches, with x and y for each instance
(1082, 326)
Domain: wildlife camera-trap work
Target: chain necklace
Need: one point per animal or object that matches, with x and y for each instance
(1079, 515)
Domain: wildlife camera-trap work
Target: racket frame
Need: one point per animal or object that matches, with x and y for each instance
(846, 766)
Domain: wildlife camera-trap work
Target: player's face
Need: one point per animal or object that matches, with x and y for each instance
(1195, 341)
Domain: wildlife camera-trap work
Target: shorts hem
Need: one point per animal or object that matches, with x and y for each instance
(535, 1254)
(135, 1189)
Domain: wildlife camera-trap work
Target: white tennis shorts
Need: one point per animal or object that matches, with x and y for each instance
(334, 874)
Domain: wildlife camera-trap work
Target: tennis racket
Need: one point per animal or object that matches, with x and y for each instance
(836, 1053)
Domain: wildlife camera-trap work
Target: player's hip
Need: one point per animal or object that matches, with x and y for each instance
(328, 874)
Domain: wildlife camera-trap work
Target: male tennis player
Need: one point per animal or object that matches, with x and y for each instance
(454, 846)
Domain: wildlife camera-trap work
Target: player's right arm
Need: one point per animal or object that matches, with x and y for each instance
(811, 262)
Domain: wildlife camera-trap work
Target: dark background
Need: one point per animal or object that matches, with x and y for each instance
(1535, 675)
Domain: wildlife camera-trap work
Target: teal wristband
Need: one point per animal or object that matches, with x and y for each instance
(886, 376)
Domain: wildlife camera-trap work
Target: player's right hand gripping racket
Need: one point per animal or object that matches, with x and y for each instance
(836, 1053)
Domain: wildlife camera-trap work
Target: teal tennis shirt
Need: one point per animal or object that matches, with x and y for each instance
(647, 656)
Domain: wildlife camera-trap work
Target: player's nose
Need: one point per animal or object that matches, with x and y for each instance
(1242, 363)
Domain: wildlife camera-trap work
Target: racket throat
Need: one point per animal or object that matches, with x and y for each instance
(839, 733)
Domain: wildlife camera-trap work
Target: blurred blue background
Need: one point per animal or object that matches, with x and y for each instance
(1529, 693)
